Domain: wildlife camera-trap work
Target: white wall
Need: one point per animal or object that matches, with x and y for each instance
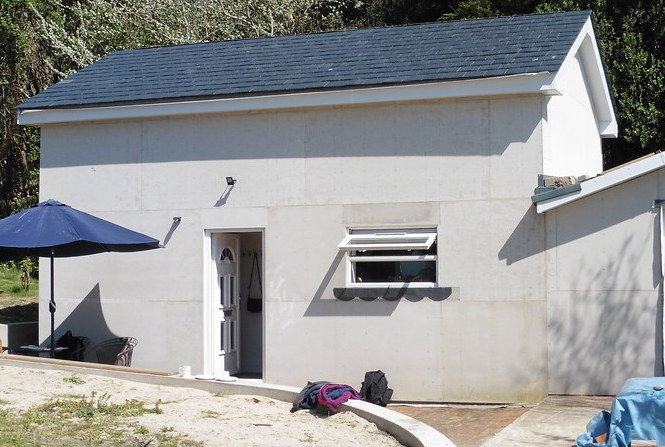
(571, 143)
(603, 277)
(466, 166)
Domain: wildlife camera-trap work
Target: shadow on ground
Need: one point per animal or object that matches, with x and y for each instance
(19, 313)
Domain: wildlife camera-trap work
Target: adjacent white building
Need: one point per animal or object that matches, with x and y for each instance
(380, 182)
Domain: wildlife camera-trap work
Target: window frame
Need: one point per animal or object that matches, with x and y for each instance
(430, 234)
(393, 239)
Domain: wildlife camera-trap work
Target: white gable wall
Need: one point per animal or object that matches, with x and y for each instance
(571, 142)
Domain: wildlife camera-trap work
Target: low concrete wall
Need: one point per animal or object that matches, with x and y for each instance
(14, 335)
(408, 431)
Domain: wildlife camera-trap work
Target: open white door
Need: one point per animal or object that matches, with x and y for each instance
(224, 305)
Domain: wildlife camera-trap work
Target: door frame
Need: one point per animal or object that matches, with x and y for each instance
(208, 299)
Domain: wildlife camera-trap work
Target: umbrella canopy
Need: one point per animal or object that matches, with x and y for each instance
(54, 229)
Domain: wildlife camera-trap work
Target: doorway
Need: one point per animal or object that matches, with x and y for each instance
(234, 308)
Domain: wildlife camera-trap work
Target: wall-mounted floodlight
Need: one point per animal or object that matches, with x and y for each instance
(230, 181)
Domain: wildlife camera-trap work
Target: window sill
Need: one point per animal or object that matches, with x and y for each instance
(394, 293)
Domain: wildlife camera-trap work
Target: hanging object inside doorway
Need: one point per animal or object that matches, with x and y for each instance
(255, 304)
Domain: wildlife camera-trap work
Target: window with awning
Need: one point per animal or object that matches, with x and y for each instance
(391, 257)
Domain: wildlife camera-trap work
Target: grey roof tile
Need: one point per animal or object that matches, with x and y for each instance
(402, 54)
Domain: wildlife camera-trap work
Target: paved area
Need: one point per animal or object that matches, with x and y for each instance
(555, 422)
(465, 425)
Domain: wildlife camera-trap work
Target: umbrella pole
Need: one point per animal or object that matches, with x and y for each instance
(51, 308)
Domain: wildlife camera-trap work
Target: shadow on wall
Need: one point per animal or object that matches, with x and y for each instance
(604, 324)
(450, 129)
(169, 234)
(598, 340)
(332, 307)
(526, 240)
(87, 319)
(345, 302)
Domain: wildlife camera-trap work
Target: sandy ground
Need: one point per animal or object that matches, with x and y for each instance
(215, 420)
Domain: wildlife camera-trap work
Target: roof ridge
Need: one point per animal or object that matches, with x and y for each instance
(351, 30)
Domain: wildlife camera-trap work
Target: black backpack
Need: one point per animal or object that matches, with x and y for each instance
(375, 388)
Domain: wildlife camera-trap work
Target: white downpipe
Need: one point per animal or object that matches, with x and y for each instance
(660, 204)
(661, 215)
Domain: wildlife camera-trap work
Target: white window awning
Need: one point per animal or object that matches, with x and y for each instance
(388, 240)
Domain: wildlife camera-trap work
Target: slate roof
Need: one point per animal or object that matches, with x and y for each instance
(344, 59)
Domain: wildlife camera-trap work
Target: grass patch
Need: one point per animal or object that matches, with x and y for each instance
(210, 414)
(71, 396)
(84, 421)
(88, 407)
(10, 283)
(73, 379)
(16, 303)
(308, 437)
(141, 430)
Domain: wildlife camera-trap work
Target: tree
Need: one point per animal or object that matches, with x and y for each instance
(19, 71)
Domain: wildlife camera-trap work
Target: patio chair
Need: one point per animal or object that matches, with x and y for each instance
(80, 345)
(76, 347)
(116, 351)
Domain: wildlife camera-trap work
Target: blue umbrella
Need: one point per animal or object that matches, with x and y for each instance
(52, 229)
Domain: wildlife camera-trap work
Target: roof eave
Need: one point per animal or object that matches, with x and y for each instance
(502, 85)
(606, 180)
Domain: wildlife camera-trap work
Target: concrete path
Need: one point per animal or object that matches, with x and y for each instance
(555, 422)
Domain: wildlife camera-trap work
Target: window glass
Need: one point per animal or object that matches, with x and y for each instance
(227, 255)
(222, 291)
(395, 271)
(431, 251)
(221, 336)
(232, 335)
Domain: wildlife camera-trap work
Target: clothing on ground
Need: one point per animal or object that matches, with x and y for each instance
(307, 398)
(332, 396)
